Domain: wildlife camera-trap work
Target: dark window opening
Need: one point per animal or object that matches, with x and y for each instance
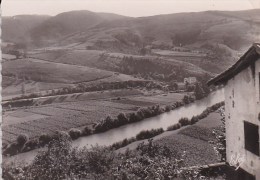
(251, 137)
(239, 174)
(243, 175)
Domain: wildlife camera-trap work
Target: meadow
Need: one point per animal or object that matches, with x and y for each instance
(32, 69)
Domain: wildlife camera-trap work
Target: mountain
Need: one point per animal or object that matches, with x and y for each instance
(70, 22)
(234, 30)
(16, 28)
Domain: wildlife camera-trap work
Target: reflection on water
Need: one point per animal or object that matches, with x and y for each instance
(161, 121)
(130, 130)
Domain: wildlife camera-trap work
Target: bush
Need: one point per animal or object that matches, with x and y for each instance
(146, 134)
(186, 99)
(174, 127)
(87, 131)
(123, 143)
(122, 119)
(147, 112)
(44, 139)
(168, 108)
(133, 117)
(22, 139)
(140, 115)
(194, 119)
(74, 133)
(12, 149)
(4, 145)
(30, 145)
(184, 121)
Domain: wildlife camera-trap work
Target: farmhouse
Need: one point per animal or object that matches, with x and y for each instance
(242, 109)
(190, 80)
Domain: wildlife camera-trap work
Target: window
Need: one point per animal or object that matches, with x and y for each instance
(251, 137)
(243, 175)
(239, 174)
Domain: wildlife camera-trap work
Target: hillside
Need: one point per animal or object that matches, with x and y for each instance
(16, 28)
(170, 47)
(173, 29)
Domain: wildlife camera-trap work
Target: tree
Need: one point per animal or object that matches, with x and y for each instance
(22, 139)
(122, 118)
(186, 99)
(16, 53)
(198, 92)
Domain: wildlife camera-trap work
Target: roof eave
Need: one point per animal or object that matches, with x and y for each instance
(241, 64)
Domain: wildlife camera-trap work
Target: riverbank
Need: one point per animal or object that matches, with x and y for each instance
(127, 131)
(192, 139)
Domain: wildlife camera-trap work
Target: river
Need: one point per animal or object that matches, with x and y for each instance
(130, 130)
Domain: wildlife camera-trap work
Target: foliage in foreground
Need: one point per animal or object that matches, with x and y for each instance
(220, 134)
(61, 161)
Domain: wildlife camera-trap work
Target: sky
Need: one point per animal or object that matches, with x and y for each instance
(133, 8)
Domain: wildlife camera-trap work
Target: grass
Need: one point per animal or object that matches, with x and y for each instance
(160, 99)
(175, 53)
(198, 133)
(69, 112)
(76, 57)
(194, 140)
(14, 88)
(59, 117)
(195, 149)
(51, 72)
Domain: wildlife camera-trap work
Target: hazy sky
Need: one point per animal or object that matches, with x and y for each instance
(133, 8)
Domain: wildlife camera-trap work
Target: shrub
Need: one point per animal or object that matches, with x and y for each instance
(22, 139)
(168, 108)
(184, 121)
(185, 99)
(74, 133)
(194, 119)
(133, 117)
(12, 149)
(123, 143)
(174, 127)
(87, 131)
(31, 144)
(122, 118)
(4, 145)
(98, 127)
(147, 112)
(140, 115)
(146, 134)
(44, 139)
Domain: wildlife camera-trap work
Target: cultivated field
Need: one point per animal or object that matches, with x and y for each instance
(36, 70)
(76, 111)
(191, 141)
(109, 61)
(177, 53)
(194, 141)
(8, 57)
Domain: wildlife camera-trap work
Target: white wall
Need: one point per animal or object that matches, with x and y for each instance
(243, 90)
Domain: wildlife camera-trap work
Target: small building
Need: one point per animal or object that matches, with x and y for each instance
(190, 80)
(242, 111)
(181, 86)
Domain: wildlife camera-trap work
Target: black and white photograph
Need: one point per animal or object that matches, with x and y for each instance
(130, 89)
